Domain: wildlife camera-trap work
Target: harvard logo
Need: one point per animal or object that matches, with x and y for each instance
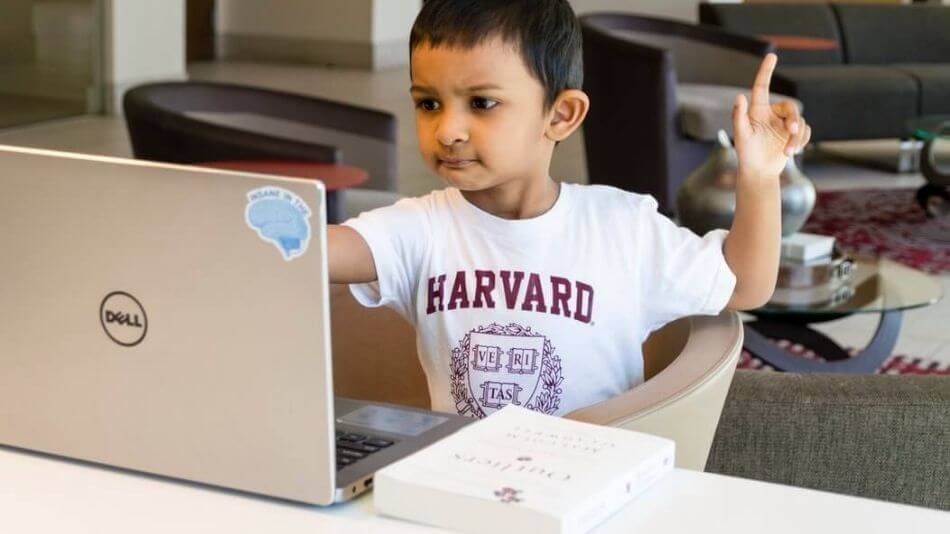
(496, 365)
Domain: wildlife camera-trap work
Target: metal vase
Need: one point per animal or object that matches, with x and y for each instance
(707, 199)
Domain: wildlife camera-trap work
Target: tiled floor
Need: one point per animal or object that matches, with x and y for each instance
(925, 332)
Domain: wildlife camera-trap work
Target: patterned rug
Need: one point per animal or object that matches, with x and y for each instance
(897, 364)
(883, 222)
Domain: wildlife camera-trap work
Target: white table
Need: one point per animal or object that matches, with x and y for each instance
(39, 494)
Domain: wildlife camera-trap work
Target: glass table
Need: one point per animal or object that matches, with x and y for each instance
(934, 197)
(879, 286)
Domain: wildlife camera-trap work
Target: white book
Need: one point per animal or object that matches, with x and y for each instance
(521, 471)
(804, 247)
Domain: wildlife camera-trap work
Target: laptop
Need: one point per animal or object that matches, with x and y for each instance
(175, 320)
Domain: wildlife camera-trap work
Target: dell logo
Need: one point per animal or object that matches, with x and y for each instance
(123, 318)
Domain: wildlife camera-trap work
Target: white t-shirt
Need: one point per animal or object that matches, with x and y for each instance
(548, 313)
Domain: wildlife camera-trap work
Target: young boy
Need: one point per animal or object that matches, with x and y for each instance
(528, 291)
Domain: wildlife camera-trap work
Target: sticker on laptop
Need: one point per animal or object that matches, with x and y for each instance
(279, 217)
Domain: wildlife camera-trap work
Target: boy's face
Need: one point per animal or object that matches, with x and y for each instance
(480, 115)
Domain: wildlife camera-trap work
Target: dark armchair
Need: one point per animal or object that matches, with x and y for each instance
(188, 122)
(659, 89)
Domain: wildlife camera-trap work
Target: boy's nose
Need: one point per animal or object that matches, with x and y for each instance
(452, 130)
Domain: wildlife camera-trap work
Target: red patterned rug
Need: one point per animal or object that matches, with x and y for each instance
(898, 364)
(883, 222)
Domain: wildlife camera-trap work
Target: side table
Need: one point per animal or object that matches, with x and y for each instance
(879, 286)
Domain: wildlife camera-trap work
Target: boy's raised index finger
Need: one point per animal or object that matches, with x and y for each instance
(760, 88)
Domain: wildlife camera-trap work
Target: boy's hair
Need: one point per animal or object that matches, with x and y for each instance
(546, 32)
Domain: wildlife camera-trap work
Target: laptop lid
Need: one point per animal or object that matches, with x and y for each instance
(167, 319)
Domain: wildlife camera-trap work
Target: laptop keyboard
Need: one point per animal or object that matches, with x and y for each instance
(352, 447)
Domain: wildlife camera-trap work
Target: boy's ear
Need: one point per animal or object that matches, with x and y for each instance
(566, 115)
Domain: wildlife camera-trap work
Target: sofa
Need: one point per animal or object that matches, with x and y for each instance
(881, 66)
(883, 437)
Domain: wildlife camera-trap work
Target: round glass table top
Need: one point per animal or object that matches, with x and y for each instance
(930, 126)
(876, 285)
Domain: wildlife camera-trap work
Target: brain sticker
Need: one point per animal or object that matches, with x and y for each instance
(281, 218)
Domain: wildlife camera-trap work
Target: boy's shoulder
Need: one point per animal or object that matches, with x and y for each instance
(595, 197)
(602, 197)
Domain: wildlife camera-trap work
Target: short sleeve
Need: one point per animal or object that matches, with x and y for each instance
(397, 236)
(685, 274)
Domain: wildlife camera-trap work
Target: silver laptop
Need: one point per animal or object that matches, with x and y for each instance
(175, 320)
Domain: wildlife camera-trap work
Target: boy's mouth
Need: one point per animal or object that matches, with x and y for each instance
(456, 163)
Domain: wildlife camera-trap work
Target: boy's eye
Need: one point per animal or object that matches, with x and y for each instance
(427, 104)
(483, 103)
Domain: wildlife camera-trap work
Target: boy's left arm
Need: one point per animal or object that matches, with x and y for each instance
(766, 135)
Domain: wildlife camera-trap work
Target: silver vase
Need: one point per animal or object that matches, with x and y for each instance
(707, 199)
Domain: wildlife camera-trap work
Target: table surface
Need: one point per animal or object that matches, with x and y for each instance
(42, 494)
(335, 176)
(878, 285)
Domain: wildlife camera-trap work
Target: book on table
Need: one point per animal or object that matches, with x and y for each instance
(803, 247)
(521, 471)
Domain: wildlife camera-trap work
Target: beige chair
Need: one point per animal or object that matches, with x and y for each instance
(688, 366)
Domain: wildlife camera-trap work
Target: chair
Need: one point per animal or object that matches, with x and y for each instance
(688, 367)
(190, 122)
(659, 89)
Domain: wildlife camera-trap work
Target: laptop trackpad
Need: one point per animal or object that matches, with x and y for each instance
(392, 420)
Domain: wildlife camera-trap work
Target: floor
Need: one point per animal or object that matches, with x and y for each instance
(925, 331)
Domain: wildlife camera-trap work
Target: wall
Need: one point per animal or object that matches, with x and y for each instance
(392, 21)
(344, 21)
(16, 31)
(687, 10)
(143, 41)
(355, 33)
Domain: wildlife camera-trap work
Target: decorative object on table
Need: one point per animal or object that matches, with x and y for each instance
(934, 197)
(822, 282)
(707, 199)
(883, 222)
(831, 269)
(826, 295)
(518, 470)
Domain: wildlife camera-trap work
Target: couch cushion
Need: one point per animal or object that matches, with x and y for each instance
(895, 34)
(874, 436)
(703, 109)
(758, 20)
(934, 80)
(851, 101)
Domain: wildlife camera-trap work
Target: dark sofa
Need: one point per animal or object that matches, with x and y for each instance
(891, 62)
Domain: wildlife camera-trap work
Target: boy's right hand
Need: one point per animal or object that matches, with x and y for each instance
(350, 258)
